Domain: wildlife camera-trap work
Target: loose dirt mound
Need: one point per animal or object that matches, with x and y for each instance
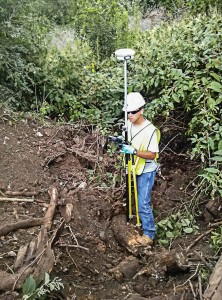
(89, 259)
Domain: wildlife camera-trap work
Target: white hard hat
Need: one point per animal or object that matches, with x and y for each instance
(134, 101)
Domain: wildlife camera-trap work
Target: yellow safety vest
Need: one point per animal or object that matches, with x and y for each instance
(141, 141)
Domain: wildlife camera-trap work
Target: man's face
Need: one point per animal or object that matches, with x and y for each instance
(135, 115)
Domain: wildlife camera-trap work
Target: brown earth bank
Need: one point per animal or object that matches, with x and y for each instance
(62, 211)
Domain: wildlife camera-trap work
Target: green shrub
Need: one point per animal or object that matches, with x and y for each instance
(104, 24)
(179, 65)
(22, 48)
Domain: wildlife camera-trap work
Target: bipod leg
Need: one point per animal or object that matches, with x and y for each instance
(130, 187)
(135, 193)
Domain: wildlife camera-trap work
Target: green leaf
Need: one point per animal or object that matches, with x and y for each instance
(219, 152)
(219, 147)
(216, 86)
(163, 242)
(185, 222)
(175, 98)
(211, 142)
(29, 286)
(217, 158)
(211, 170)
(169, 234)
(216, 76)
(169, 225)
(47, 278)
(188, 230)
(211, 103)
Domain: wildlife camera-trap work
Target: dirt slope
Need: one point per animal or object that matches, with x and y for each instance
(35, 156)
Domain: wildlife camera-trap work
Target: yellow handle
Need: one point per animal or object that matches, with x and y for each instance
(130, 187)
(136, 197)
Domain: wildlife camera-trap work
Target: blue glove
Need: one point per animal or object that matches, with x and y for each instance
(127, 149)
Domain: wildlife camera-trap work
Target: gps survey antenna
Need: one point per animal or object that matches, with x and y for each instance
(126, 55)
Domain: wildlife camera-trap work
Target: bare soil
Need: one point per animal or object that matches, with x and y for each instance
(35, 155)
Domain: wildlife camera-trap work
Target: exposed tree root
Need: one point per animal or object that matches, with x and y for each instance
(21, 225)
(37, 257)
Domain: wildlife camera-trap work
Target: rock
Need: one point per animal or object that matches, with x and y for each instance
(39, 134)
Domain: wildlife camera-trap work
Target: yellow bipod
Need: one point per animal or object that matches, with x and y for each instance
(132, 177)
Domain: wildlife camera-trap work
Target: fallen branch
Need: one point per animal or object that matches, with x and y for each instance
(36, 257)
(17, 199)
(21, 225)
(53, 192)
(198, 239)
(192, 290)
(202, 259)
(194, 274)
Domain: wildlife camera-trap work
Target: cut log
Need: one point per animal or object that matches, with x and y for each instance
(213, 209)
(126, 235)
(169, 262)
(214, 289)
(126, 269)
(21, 225)
(174, 261)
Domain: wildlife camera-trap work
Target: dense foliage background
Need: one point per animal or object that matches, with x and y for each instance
(57, 60)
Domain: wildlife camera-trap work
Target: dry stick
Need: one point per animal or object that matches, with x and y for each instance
(16, 199)
(77, 243)
(200, 287)
(198, 239)
(21, 225)
(53, 136)
(16, 193)
(182, 297)
(202, 259)
(72, 259)
(189, 277)
(74, 246)
(215, 224)
(169, 142)
(192, 289)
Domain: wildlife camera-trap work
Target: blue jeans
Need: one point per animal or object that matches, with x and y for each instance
(145, 183)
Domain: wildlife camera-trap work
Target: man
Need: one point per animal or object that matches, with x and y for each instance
(143, 139)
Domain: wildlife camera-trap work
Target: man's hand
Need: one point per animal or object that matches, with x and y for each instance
(127, 149)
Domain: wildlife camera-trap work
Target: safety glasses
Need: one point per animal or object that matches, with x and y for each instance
(134, 111)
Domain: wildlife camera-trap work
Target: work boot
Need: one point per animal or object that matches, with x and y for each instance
(144, 240)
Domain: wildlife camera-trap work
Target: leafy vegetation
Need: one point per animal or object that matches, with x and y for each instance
(184, 72)
(32, 291)
(177, 65)
(173, 226)
(178, 6)
(216, 238)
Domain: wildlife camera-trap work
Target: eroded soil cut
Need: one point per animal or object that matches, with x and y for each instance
(87, 242)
